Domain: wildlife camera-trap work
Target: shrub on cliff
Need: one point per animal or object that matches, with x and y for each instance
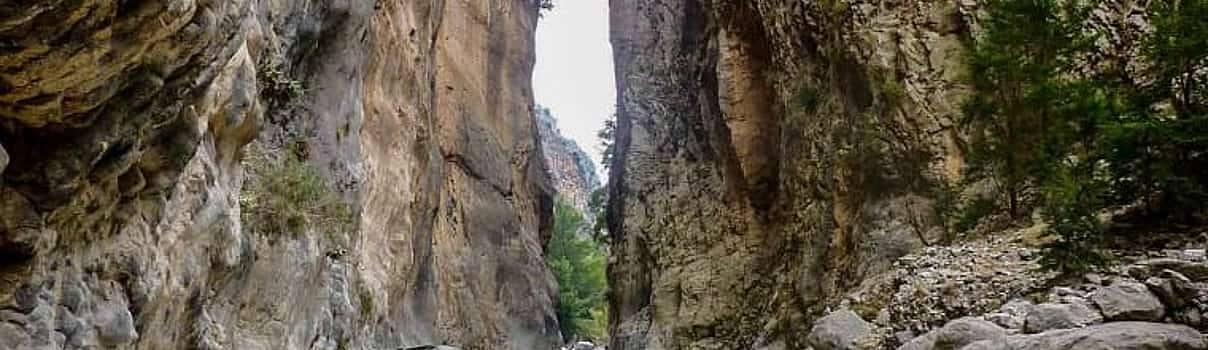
(578, 265)
(288, 197)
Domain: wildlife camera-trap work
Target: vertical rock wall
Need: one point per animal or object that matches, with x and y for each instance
(771, 156)
(122, 134)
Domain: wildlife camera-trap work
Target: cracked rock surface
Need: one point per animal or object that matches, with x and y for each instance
(127, 130)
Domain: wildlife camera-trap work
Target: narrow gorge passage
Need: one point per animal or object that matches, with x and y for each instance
(604, 174)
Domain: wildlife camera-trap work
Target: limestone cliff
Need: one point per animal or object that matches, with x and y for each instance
(771, 155)
(123, 127)
(572, 171)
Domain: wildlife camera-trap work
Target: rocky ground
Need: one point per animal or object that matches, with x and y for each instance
(994, 295)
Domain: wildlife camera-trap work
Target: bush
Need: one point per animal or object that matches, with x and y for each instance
(277, 87)
(1071, 209)
(289, 198)
(578, 264)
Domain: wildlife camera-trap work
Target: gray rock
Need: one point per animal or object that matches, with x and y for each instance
(924, 342)
(956, 334)
(1012, 314)
(1190, 316)
(1128, 301)
(3, 159)
(1110, 336)
(1005, 320)
(1196, 271)
(1018, 307)
(1066, 291)
(1045, 317)
(1093, 278)
(1193, 254)
(840, 330)
(1175, 289)
(965, 331)
(116, 327)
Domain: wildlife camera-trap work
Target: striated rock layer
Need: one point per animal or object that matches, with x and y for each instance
(122, 128)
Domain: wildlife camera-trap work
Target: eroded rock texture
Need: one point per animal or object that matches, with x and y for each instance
(122, 133)
(571, 170)
(772, 155)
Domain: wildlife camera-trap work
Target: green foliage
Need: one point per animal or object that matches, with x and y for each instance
(1177, 49)
(367, 303)
(1017, 70)
(807, 97)
(971, 213)
(597, 204)
(277, 87)
(1071, 206)
(289, 198)
(1084, 143)
(607, 136)
(1157, 147)
(892, 90)
(578, 264)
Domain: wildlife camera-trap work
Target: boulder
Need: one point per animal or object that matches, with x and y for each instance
(1011, 315)
(1005, 320)
(1175, 289)
(1045, 317)
(924, 342)
(1110, 336)
(1196, 271)
(965, 331)
(956, 334)
(1128, 301)
(840, 330)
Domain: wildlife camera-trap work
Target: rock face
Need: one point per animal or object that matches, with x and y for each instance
(572, 172)
(774, 155)
(809, 134)
(123, 126)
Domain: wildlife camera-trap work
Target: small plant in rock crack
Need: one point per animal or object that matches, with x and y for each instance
(367, 303)
(276, 86)
(288, 197)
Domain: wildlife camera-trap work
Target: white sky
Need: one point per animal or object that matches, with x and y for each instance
(574, 75)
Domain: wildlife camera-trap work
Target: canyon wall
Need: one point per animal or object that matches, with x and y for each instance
(771, 156)
(572, 172)
(128, 135)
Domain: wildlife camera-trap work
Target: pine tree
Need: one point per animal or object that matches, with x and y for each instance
(1019, 72)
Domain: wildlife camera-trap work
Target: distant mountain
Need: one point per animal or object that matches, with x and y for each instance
(572, 171)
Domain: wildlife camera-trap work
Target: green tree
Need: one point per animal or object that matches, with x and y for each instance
(1087, 142)
(578, 265)
(1017, 68)
(1157, 149)
(1036, 123)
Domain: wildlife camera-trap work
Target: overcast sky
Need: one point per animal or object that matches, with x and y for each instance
(574, 75)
